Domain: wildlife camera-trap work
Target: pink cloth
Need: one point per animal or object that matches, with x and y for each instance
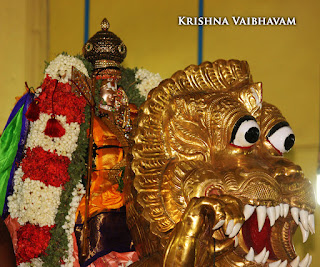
(13, 227)
(75, 251)
(115, 259)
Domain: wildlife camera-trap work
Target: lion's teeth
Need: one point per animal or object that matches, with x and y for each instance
(295, 262)
(301, 217)
(230, 227)
(236, 241)
(283, 264)
(261, 214)
(278, 263)
(285, 210)
(310, 260)
(304, 219)
(281, 209)
(265, 257)
(311, 223)
(218, 225)
(275, 264)
(271, 211)
(304, 232)
(259, 258)
(248, 211)
(277, 212)
(305, 261)
(235, 230)
(250, 255)
(295, 214)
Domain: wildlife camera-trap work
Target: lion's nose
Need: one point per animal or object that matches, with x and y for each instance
(288, 169)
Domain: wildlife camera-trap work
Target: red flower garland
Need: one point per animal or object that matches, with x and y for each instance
(56, 98)
(46, 167)
(32, 242)
(65, 102)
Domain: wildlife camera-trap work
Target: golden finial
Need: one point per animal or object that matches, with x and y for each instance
(105, 24)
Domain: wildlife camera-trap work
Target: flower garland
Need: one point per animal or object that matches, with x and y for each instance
(60, 68)
(32, 241)
(137, 83)
(46, 192)
(62, 146)
(61, 241)
(47, 184)
(33, 201)
(148, 81)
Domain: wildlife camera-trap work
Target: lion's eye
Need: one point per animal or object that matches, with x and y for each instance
(246, 132)
(281, 137)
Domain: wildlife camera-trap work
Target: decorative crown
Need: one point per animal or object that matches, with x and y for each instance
(105, 49)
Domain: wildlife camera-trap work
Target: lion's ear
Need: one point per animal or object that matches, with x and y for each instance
(257, 88)
(251, 97)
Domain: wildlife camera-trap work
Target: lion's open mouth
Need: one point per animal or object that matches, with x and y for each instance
(267, 234)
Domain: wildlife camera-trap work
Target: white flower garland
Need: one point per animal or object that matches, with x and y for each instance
(63, 146)
(148, 80)
(61, 68)
(35, 262)
(33, 201)
(78, 193)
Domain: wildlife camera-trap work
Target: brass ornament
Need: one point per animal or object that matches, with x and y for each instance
(100, 64)
(105, 25)
(122, 48)
(104, 49)
(209, 172)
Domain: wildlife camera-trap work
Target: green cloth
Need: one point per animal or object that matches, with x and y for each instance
(8, 149)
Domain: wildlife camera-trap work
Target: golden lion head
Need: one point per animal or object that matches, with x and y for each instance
(211, 184)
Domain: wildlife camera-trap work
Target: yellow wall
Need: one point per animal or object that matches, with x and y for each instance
(23, 49)
(149, 31)
(285, 59)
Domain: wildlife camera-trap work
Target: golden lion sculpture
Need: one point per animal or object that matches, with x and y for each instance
(211, 186)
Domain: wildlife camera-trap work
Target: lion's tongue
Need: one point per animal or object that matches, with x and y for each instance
(255, 239)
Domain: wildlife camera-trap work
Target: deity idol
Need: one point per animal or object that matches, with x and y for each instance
(102, 210)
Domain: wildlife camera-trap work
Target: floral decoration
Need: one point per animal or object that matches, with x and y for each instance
(47, 167)
(47, 184)
(137, 83)
(46, 192)
(60, 68)
(148, 81)
(33, 201)
(58, 98)
(32, 241)
(63, 146)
